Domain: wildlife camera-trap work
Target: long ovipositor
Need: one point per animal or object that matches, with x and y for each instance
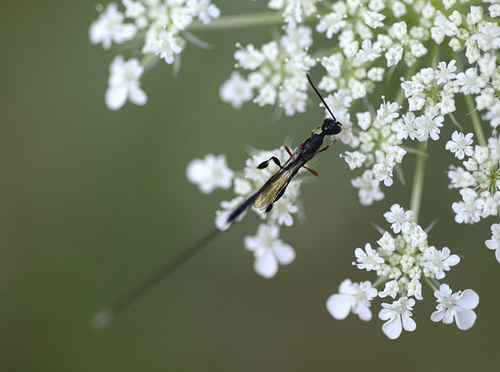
(262, 199)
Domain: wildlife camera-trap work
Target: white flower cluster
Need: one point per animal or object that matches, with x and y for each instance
(294, 11)
(402, 260)
(155, 27)
(378, 148)
(368, 52)
(478, 182)
(373, 43)
(277, 71)
(268, 249)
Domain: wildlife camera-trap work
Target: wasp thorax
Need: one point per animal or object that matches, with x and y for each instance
(331, 127)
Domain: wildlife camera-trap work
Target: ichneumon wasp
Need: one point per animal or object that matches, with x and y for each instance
(263, 199)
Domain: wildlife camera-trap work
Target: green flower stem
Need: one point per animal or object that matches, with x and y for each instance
(380, 280)
(476, 122)
(418, 180)
(433, 283)
(238, 21)
(149, 61)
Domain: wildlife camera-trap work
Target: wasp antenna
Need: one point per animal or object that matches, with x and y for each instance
(320, 97)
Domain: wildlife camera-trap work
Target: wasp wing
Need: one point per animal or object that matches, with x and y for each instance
(273, 189)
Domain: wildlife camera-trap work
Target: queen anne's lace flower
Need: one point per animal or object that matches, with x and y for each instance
(268, 250)
(277, 72)
(402, 260)
(460, 144)
(494, 242)
(124, 83)
(352, 297)
(367, 51)
(367, 259)
(455, 306)
(153, 27)
(109, 28)
(210, 173)
(398, 316)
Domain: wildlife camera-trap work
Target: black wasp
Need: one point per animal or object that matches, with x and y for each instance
(263, 199)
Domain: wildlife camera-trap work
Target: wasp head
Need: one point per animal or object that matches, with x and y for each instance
(331, 127)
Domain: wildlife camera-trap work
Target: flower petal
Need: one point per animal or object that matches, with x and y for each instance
(284, 253)
(465, 318)
(393, 328)
(408, 323)
(266, 265)
(116, 96)
(468, 300)
(137, 96)
(363, 312)
(437, 316)
(339, 305)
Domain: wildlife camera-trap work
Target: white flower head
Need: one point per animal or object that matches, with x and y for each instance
(210, 173)
(236, 90)
(382, 170)
(470, 82)
(296, 39)
(269, 251)
(460, 145)
(168, 45)
(437, 262)
(488, 36)
(204, 10)
(364, 119)
(373, 19)
(367, 259)
(406, 127)
(428, 125)
(391, 288)
(415, 289)
(394, 55)
(457, 306)
(352, 297)
(398, 317)
(400, 219)
(124, 83)
(331, 23)
(387, 243)
(134, 9)
(292, 100)
(294, 11)
(109, 28)
(387, 112)
(494, 146)
(249, 58)
(282, 212)
(369, 188)
(460, 178)
(369, 52)
(354, 159)
(446, 72)
(494, 242)
(469, 210)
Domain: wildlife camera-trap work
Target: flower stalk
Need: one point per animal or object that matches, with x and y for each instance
(418, 180)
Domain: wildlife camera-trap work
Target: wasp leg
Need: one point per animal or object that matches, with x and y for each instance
(323, 149)
(313, 172)
(264, 164)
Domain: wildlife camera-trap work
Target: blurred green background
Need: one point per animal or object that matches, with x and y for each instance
(93, 200)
